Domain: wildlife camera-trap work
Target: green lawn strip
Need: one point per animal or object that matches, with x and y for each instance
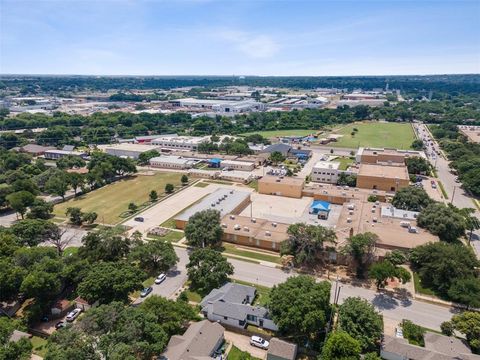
(111, 201)
(193, 296)
(146, 283)
(39, 346)
(376, 134)
(233, 250)
(242, 259)
(170, 223)
(263, 292)
(254, 185)
(221, 182)
(70, 251)
(345, 162)
(201, 184)
(419, 287)
(279, 133)
(442, 189)
(237, 354)
(172, 236)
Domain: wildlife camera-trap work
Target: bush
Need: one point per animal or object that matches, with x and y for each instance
(372, 198)
(447, 328)
(413, 333)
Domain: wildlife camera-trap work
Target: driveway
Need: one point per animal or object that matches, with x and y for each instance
(243, 343)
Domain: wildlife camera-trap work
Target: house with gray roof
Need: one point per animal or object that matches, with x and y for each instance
(281, 350)
(437, 347)
(232, 305)
(201, 341)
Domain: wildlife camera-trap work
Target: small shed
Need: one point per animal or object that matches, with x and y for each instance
(214, 163)
(281, 350)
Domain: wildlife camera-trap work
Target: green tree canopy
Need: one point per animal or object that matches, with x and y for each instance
(361, 247)
(203, 229)
(301, 307)
(468, 323)
(360, 319)
(341, 346)
(155, 255)
(411, 198)
(208, 269)
(443, 221)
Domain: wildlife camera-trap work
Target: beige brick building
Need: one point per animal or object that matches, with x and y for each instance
(281, 186)
(382, 177)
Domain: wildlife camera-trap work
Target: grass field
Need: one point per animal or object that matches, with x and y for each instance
(393, 135)
(345, 162)
(257, 255)
(39, 346)
(111, 201)
(172, 236)
(278, 133)
(237, 354)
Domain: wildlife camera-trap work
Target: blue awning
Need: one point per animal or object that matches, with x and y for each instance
(319, 205)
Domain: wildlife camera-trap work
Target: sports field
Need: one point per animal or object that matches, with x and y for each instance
(277, 133)
(111, 201)
(375, 134)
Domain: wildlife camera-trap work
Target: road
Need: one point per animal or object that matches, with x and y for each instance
(394, 308)
(456, 194)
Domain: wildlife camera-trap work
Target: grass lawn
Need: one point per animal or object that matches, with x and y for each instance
(237, 354)
(375, 134)
(419, 288)
(345, 162)
(278, 133)
(39, 346)
(172, 236)
(193, 296)
(263, 292)
(222, 182)
(201, 184)
(233, 250)
(111, 201)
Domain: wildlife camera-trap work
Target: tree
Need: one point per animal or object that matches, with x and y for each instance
(144, 158)
(132, 207)
(277, 157)
(89, 217)
(384, 270)
(32, 232)
(442, 221)
(71, 344)
(417, 144)
(360, 319)
(155, 256)
(208, 270)
(417, 165)
(76, 181)
(20, 201)
(105, 245)
(471, 221)
(40, 209)
(371, 356)
(300, 306)
(447, 328)
(396, 257)
(361, 247)
(11, 278)
(107, 282)
(468, 323)
(306, 242)
(413, 333)
(75, 215)
(440, 265)
(58, 184)
(203, 229)
(69, 162)
(466, 291)
(153, 196)
(184, 179)
(347, 180)
(341, 346)
(169, 188)
(411, 198)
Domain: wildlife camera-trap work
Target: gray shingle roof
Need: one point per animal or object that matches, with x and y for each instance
(282, 349)
(231, 292)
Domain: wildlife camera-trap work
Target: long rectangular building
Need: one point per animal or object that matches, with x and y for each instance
(226, 201)
(172, 162)
(189, 143)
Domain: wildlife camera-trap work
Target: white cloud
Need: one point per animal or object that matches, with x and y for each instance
(256, 46)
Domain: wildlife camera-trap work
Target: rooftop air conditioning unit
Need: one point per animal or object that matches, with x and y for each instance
(274, 224)
(224, 225)
(232, 217)
(237, 227)
(231, 191)
(245, 228)
(350, 212)
(268, 233)
(253, 220)
(349, 220)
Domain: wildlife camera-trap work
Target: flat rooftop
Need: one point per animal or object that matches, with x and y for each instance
(261, 229)
(333, 165)
(129, 147)
(224, 200)
(181, 139)
(287, 180)
(383, 171)
(172, 160)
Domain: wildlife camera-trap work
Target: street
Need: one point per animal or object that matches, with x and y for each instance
(394, 308)
(456, 194)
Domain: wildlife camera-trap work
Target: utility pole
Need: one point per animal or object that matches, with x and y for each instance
(453, 195)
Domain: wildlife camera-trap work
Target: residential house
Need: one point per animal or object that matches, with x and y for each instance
(232, 305)
(202, 340)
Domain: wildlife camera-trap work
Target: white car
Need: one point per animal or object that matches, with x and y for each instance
(72, 315)
(259, 342)
(160, 278)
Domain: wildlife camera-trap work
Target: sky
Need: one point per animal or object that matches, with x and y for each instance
(239, 37)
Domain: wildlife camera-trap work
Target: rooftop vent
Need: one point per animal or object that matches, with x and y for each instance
(274, 224)
(268, 233)
(245, 228)
(237, 227)
(232, 217)
(253, 220)
(224, 225)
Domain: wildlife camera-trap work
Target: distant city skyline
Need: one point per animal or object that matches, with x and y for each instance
(219, 37)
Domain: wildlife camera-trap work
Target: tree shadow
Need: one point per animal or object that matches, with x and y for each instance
(384, 302)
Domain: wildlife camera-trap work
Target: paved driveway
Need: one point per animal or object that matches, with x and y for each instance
(243, 343)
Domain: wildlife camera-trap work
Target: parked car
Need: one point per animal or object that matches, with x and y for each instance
(60, 324)
(160, 278)
(146, 291)
(259, 342)
(72, 315)
(139, 219)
